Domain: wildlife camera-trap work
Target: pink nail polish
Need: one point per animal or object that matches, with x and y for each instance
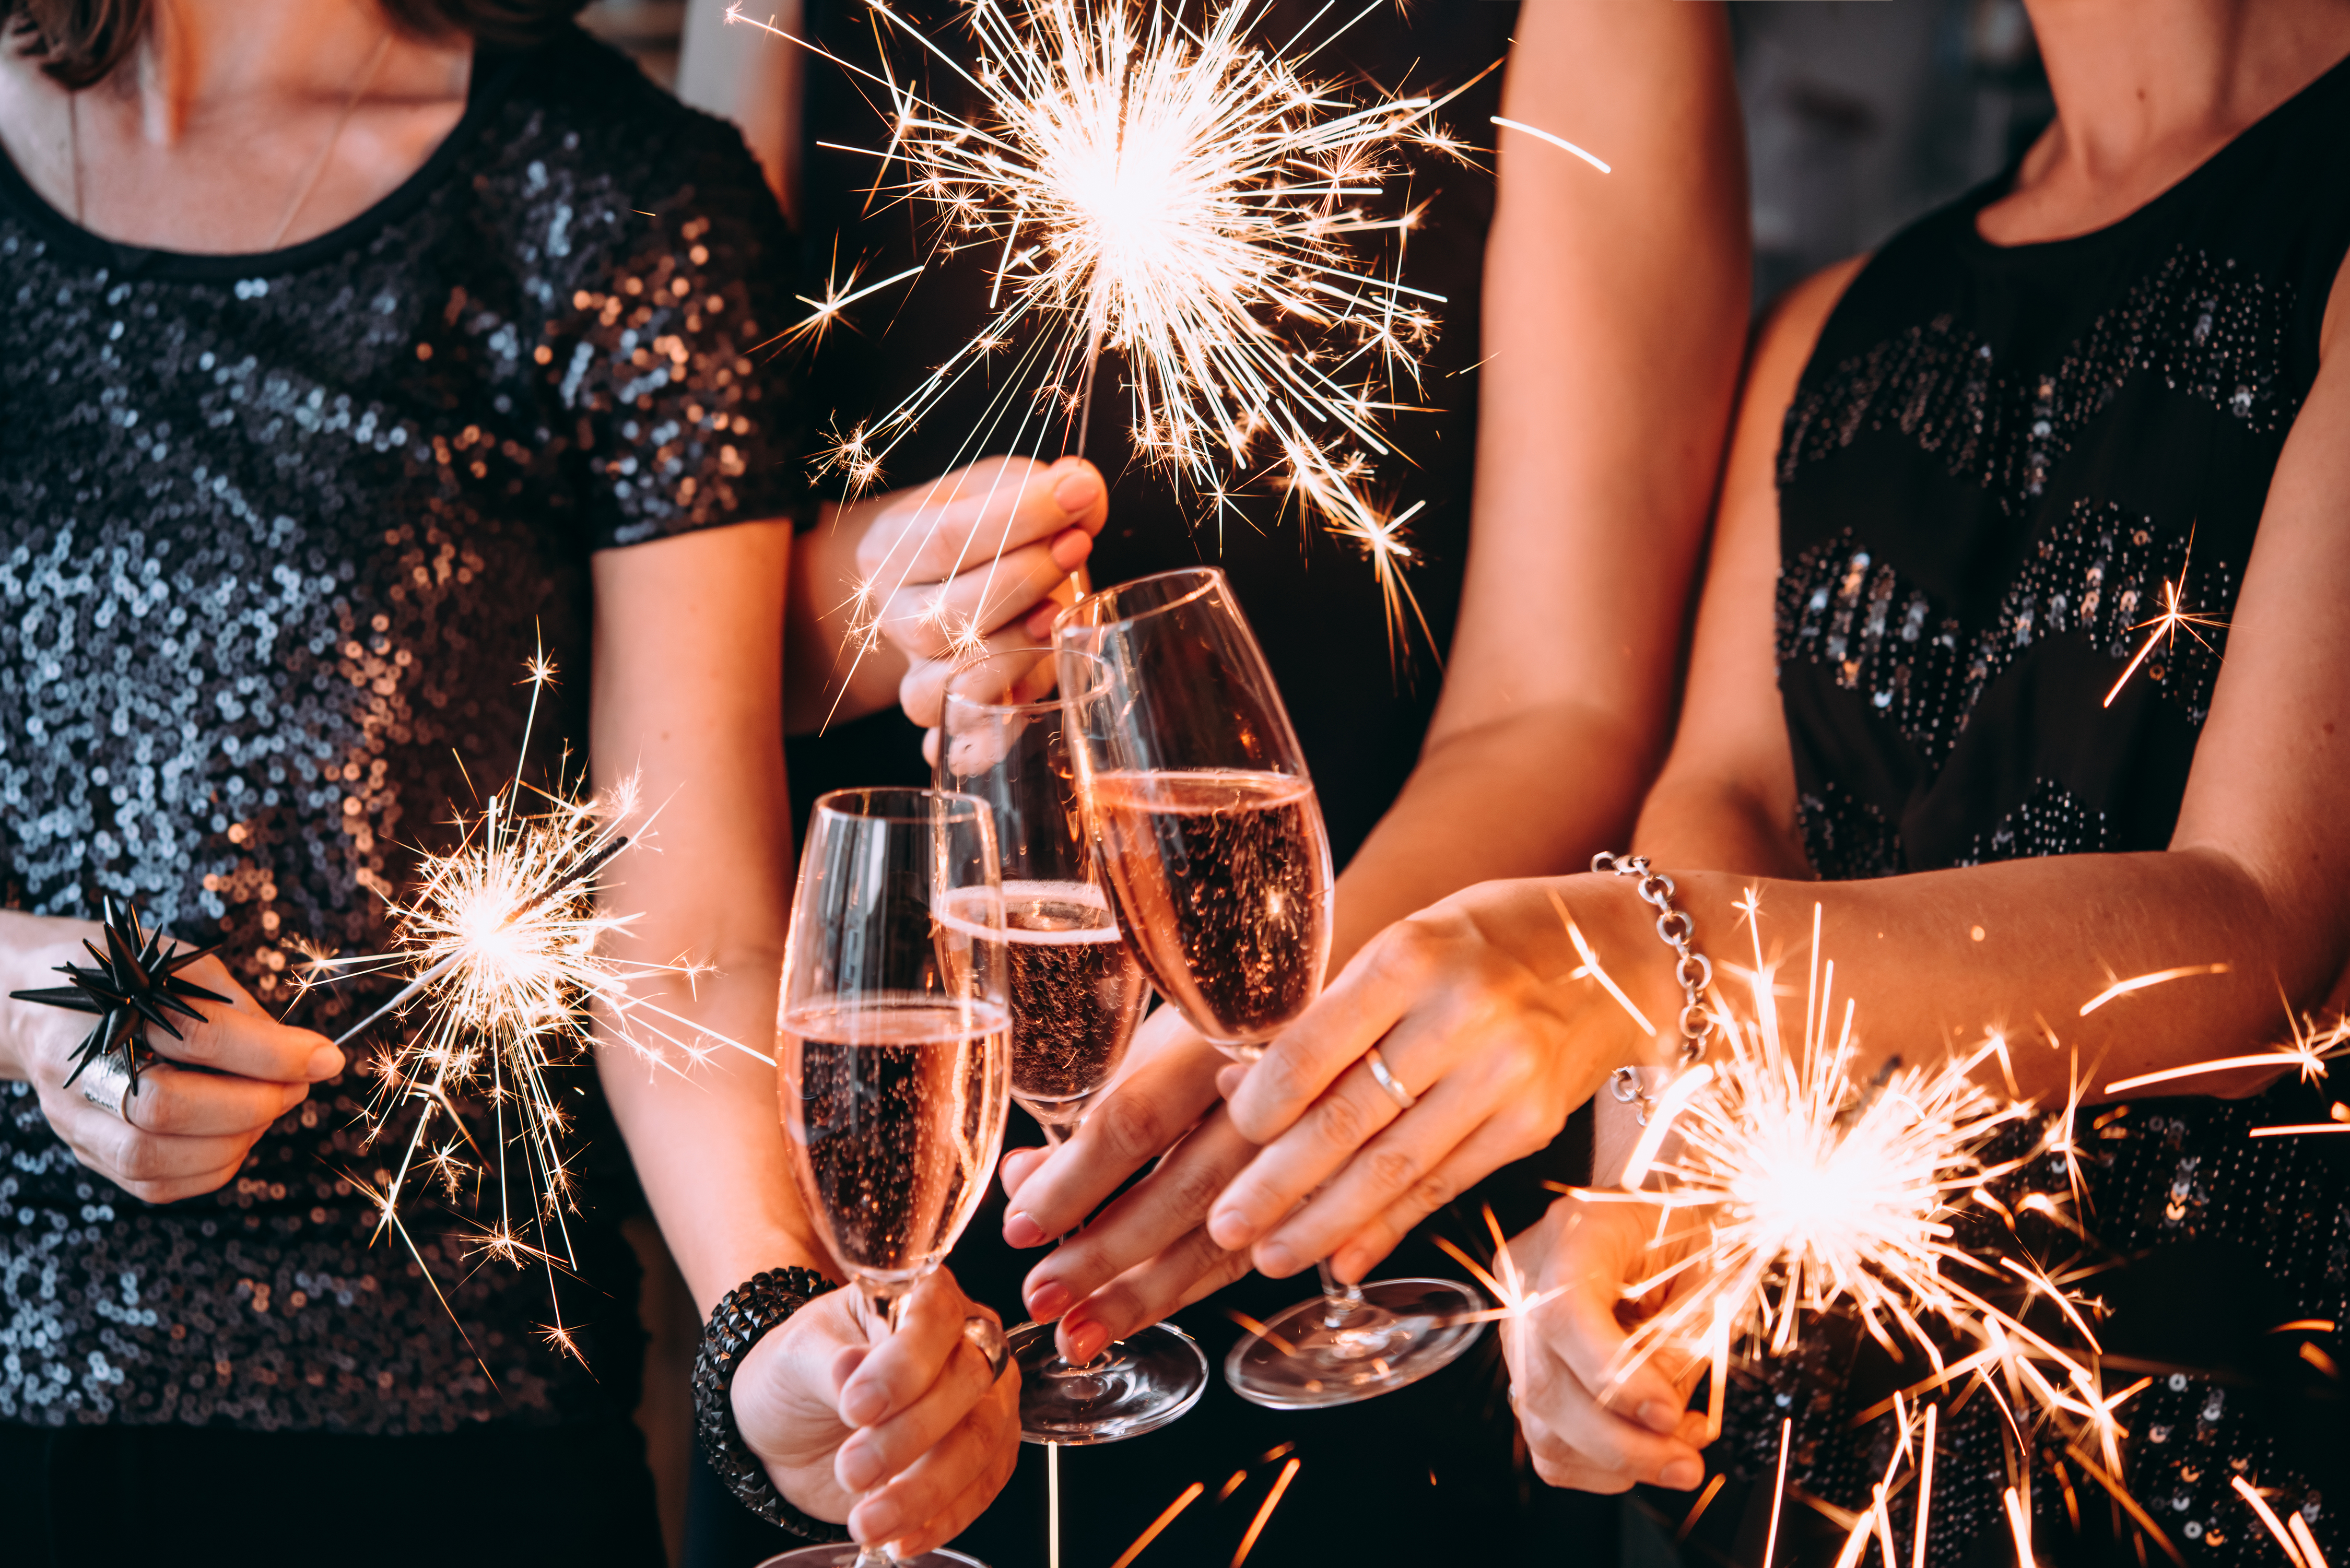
(1049, 1301)
(1019, 1231)
(1085, 1342)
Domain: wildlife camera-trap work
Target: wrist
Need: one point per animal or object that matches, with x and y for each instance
(742, 1320)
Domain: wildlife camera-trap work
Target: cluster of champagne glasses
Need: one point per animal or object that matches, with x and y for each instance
(1128, 810)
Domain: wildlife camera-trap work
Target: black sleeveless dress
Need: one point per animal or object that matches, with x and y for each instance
(1430, 1472)
(1995, 460)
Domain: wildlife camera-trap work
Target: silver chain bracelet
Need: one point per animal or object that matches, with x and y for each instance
(1691, 968)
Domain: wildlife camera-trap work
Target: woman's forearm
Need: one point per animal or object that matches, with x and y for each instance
(1535, 794)
(833, 673)
(706, 1136)
(2029, 950)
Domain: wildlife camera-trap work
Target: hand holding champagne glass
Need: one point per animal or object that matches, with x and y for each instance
(1077, 992)
(893, 1047)
(1213, 845)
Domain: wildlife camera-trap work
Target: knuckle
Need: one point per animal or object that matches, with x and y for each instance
(1433, 1191)
(1129, 1128)
(1339, 1121)
(1391, 1170)
(1192, 1187)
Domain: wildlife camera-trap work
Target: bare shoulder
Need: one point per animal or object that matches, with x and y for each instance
(1792, 329)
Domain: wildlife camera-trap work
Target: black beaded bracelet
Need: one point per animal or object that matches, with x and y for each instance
(743, 1314)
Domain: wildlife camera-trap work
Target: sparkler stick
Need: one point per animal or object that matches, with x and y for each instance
(1189, 199)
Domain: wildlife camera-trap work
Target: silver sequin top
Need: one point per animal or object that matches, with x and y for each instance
(276, 535)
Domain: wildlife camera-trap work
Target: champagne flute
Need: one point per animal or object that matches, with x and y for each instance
(893, 1047)
(1077, 992)
(1219, 866)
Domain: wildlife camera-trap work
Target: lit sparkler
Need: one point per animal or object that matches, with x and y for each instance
(505, 946)
(2163, 627)
(1794, 1187)
(1189, 199)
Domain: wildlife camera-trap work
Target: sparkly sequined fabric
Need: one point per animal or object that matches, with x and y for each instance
(276, 535)
(1995, 466)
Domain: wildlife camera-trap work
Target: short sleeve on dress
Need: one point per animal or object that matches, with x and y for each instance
(687, 417)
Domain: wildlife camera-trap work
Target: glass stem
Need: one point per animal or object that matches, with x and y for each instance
(1340, 1301)
(880, 1302)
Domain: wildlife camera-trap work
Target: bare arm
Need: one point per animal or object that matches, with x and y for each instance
(1615, 307)
(688, 695)
(1473, 998)
(1615, 310)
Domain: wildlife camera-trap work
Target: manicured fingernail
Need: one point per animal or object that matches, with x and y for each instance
(862, 1407)
(859, 1468)
(1084, 1342)
(1276, 1261)
(1019, 1231)
(1659, 1417)
(1681, 1475)
(1049, 1301)
(1039, 625)
(1071, 548)
(876, 1522)
(325, 1062)
(1229, 1229)
(1229, 1081)
(1076, 490)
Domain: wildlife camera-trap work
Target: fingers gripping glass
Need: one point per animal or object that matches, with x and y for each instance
(1211, 839)
(1076, 991)
(893, 1043)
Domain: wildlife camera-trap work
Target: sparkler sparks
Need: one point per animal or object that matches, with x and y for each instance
(1795, 1188)
(1191, 200)
(2162, 630)
(504, 943)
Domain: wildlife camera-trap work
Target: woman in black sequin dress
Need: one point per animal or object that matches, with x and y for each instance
(1970, 474)
(349, 361)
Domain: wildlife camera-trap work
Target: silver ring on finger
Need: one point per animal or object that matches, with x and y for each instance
(1404, 1098)
(986, 1336)
(106, 1083)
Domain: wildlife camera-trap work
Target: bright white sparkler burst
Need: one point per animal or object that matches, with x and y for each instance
(1792, 1188)
(1188, 198)
(504, 944)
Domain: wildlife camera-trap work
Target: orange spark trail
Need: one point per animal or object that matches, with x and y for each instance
(1191, 1494)
(2141, 982)
(1265, 1511)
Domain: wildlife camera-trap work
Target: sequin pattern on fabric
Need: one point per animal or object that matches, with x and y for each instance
(2204, 327)
(276, 538)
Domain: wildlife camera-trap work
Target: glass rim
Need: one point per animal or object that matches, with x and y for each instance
(958, 806)
(1211, 578)
(1052, 704)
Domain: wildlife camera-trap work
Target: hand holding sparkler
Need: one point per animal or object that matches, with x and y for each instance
(907, 1438)
(1590, 1422)
(909, 585)
(182, 1132)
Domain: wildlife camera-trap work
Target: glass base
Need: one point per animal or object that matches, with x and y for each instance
(1136, 1384)
(1404, 1330)
(844, 1555)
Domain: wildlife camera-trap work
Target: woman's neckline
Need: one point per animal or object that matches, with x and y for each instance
(2002, 184)
(489, 82)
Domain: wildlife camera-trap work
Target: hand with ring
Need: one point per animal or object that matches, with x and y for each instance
(1456, 1040)
(182, 1132)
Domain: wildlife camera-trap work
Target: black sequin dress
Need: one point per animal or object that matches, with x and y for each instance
(1995, 460)
(278, 533)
